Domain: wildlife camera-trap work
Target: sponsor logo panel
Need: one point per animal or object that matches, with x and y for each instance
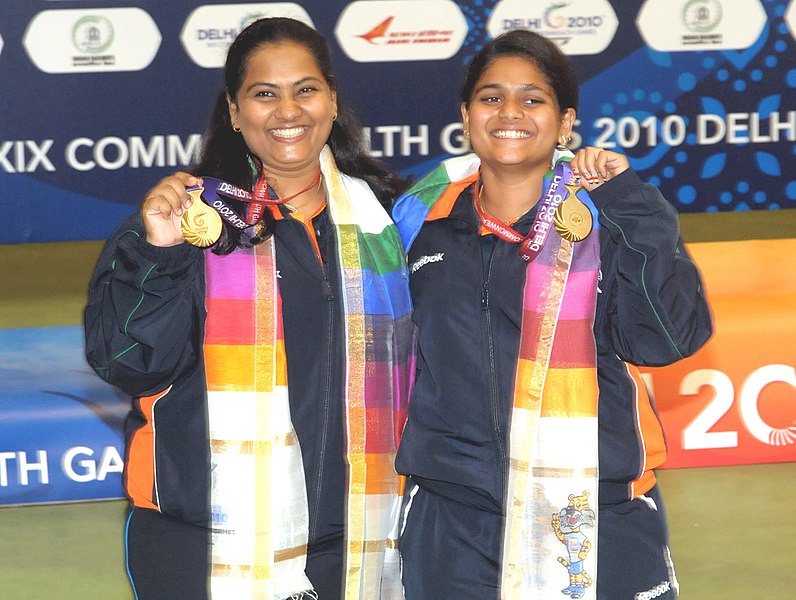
(790, 18)
(209, 30)
(401, 30)
(577, 26)
(701, 24)
(78, 40)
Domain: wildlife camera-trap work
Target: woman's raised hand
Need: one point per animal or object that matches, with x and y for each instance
(163, 207)
(595, 166)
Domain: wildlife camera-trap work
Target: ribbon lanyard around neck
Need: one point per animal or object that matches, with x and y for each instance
(264, 194)
(214, 192)
(531, 244)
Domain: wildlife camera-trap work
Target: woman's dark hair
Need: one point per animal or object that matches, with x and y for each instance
(539, 50)
(225, 154)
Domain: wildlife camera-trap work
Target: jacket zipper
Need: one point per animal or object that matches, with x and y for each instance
(326, 287)
(493, 387)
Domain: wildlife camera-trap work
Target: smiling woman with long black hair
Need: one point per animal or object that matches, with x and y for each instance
(269, 370)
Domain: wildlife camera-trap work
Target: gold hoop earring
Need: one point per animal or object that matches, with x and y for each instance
(466, 134)
(334, 117)
(236, 129)
(563, 142)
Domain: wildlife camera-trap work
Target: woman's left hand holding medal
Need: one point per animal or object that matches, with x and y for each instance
(163, 207)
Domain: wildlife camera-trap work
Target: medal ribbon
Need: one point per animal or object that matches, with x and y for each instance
(531, 244)
(214, 192)
(264, 194)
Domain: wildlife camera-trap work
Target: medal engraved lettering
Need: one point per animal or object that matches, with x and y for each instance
(573, 220)
(201, 224)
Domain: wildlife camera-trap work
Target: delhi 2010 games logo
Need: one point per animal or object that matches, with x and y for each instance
(92, 34)
(577, 26)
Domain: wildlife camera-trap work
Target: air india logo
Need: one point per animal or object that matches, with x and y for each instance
(394, 30)
(379, 31)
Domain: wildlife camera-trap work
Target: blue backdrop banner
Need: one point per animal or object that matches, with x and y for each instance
(60, 425)
(104, 98)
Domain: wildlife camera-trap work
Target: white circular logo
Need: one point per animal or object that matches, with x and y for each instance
(92, 34)
(701, 16)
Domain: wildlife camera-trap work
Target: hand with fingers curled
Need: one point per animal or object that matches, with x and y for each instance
(594, 166)
(163, 207)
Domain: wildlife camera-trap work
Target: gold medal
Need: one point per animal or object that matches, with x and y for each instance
(573, 218)
(201, 224)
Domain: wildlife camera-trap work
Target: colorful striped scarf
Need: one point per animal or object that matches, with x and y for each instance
(259, 503)
(552, 484)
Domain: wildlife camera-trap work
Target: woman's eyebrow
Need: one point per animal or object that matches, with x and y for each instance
(268, 84)
(525, 87)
